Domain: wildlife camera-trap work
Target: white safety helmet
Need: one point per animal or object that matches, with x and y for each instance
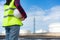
(17, 14)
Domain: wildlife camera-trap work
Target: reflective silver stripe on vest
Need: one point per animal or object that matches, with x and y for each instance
(9, 15)
(10, 9)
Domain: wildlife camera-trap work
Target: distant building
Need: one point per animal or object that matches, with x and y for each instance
(41, 31)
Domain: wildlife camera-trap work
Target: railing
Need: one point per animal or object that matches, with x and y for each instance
(38, 36)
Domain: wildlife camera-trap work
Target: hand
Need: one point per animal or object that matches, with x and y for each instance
(22, 19)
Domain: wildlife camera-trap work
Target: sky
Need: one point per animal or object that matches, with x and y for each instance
(45, 12)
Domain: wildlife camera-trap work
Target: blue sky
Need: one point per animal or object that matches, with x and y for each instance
(44, 4)
(46, 12)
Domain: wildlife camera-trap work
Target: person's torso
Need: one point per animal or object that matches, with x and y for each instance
(9, 18)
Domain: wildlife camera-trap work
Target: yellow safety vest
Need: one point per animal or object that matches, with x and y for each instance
(9, 18)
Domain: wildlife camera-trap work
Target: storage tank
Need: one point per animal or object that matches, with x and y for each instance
(25, 32)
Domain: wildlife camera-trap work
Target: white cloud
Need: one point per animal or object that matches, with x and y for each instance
(1, 12)
(36, 11)
(54, 13)
(43, 17)
(50, 14)
(56, 24)
(54, 27)
(1, 17)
